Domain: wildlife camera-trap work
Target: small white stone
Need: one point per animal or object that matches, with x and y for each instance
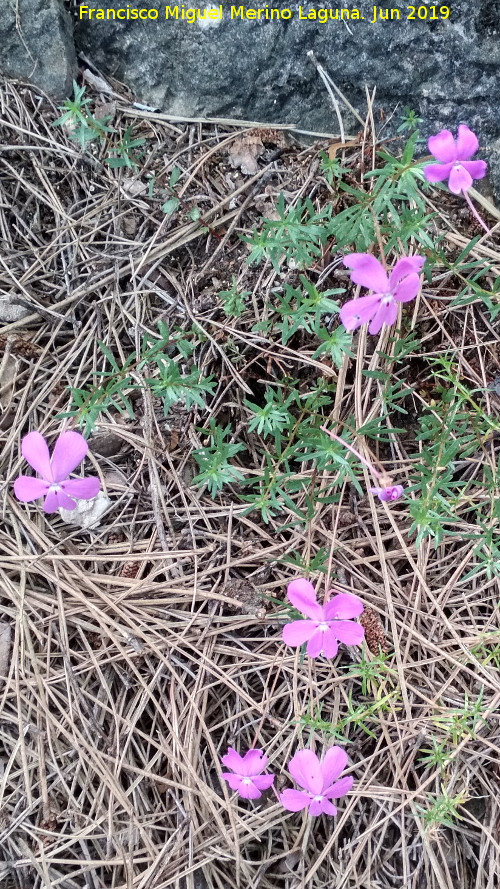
(87, 513)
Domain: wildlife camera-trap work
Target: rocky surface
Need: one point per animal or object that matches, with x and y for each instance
(445, 70)
(36, 44)
(448, 70)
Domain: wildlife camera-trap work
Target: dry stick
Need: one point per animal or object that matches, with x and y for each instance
(322, 74)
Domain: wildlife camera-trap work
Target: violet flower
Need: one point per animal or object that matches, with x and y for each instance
(381, 306)
(55, 486)
(453, 156)
(327, 625)
(245, 776)
(388, 494)
(318, 780)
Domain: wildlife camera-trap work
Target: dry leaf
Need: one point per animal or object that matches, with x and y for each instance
(7, 381)
(88, 513)
(5, 637)
(244, 152)
(98, 82)
(9, 311)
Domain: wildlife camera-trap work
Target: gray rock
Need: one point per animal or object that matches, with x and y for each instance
(258, 70)
(36, 44)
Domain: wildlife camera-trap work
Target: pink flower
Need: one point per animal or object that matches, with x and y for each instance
(327, 623)
(316, 777)
(454, 164)
(69, 450)
(392, 492)
(246, 779)
(379, 307)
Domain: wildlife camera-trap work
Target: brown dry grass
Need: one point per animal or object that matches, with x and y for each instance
(141, 650)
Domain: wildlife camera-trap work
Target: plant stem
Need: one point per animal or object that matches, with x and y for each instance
(352, 450)
(475, 213)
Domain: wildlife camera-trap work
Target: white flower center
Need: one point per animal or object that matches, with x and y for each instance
(54, 487)
(317, 799)
(323, 627)
(386, 300)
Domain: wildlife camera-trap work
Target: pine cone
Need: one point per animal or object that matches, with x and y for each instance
(374, 633)
(130, 569)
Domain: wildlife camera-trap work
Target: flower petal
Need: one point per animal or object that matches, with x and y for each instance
(386, 314)
(405, 266)
(327, 808)
(349, 632)
(316, 807)
(232, 760)
(82, 488)
(407, 289)
(460, 180)
(437, 172)
(301, 594)
(253, 762)
(69, 450)
(248, 790)
(315, 645)
(27, 488)
(263, 782)
(393, 492)
(35, 451)
(343, 606)
(330, 644)
(58, 499)
(295, 800)
(305, 770)
(333, 763)
(234, 781)
(467, 143)
(476, 169)
(298, 632)
(367, 271)
(340, 788)
(358, 311)
(442, 146)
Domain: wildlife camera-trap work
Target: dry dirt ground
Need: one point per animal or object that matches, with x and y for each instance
(132, 654)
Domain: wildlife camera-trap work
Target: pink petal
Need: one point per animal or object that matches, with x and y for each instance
(315, 645)
(248, 790)
(327, 808)
(295, 800)
(386, 314)
(333, 763)
(82, 488)
(233, 760)
(301, 594)
(437, 172)
(340, 788)
(305, 770)
(467, 143)
(343, 606)
(476, 169)
(460, 180)
(316, 807)
(298, 632)
(367, 271)
(330, 644)
(27, 488)
(56, 499)
(234, 781)
(69, 450)
(393, 492)
(442, 146)
(263, 782)
(253, 762)
(358, 311)
(405, 266)
(407, 289)
(348, 632)
(35, 451)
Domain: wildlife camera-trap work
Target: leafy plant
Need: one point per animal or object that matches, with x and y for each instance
(213, 460)
(127, 156)
(81, 126)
